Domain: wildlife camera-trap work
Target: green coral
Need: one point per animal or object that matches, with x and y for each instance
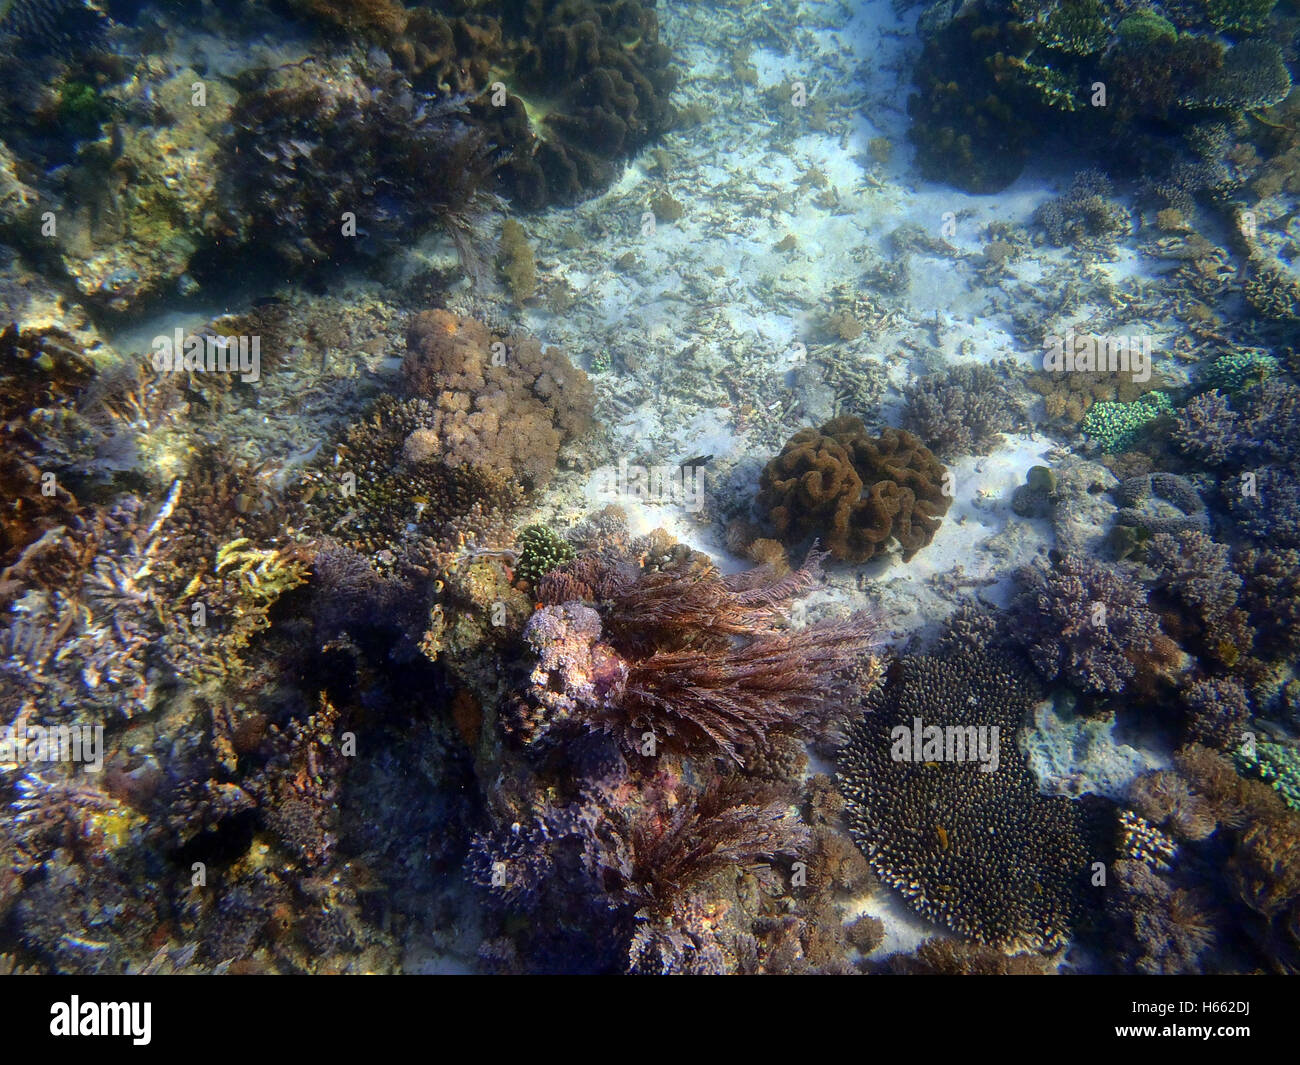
(1277, 764)
(82, 110)
(1077, 27)
(1117, 426)
(1055, 89)
(1236, 370)
(541, 550)
(1145, 28)
(1239, 16)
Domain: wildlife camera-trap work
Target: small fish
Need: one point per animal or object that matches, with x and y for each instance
(697, 461)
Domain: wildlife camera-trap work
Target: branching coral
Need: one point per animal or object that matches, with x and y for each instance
(1086, 212)
(963, 411)
(859, 492)
(1089, 625)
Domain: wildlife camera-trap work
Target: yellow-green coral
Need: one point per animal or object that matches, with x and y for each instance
(516, 261)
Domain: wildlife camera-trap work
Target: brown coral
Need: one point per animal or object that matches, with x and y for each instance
(501, 402)
(857, 491)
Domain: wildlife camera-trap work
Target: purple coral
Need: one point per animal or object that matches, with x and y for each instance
(1085, 623)
(1218, 711)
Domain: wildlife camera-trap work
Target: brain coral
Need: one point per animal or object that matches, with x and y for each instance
(855, 491)
(982, 853)
(503, 403)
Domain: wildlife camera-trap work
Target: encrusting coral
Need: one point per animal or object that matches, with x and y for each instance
(857, 492)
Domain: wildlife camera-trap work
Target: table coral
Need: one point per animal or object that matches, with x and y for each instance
(982, 853)
(856, 491)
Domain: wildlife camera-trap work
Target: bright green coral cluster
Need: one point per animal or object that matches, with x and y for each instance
(541, 550)
(1145, 28)
(1237, 369)
(1117, 426)
(1277, 764)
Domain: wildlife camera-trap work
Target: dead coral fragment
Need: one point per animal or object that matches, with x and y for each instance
(857, 491)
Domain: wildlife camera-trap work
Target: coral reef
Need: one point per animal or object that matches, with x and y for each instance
(1230, 901)
(963, 411)
(1118, 426)
(333, 162)
(659, 662)
(541, 550)
(1086, 212)
(388, 472)
(515, 261)
(995, 74)
(1089, 625)
(858, 492)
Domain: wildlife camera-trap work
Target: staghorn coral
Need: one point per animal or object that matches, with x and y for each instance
(1088, 624)
(979, 852)
(860, 493)
(963, 411)
(500, 404)
(1084, 214)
